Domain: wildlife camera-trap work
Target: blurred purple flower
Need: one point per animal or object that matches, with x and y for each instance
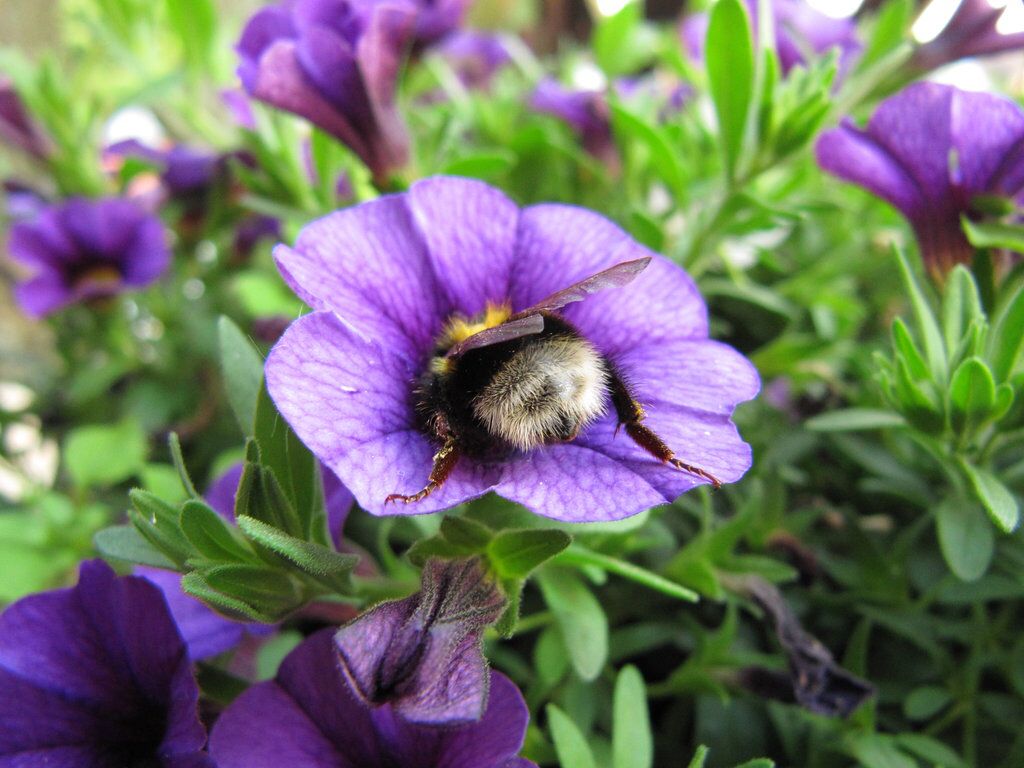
(970, 32)
(97, 675)
(250, 231)
(21, 201)
(665, 94)
(184, 171)
(83, 249)
(239, 107)
(16, 127)
(422, 655)
(584, 111)
(436, 18)
(475, 56)
(205, 631)
(308, 718)
(386, 276)
(930, 150)
(799, 30)
(334, 62)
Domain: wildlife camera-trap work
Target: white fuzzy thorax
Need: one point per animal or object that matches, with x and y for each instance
(543, 387)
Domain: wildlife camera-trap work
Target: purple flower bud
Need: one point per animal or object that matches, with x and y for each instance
(17, 128)
(422, 655)
(97, 675)
(84, 249)
(475, 56)
(334, 62)
(970, 32)
(930, 150)
(437, 18)
(307, 717)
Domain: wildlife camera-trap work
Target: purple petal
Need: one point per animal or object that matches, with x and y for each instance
(269, 25)
(369, 266)
(148, 256)
(329, 61)
(42, 295)
(470, 232)
(220, 494)
(985, 127)
(497, 736)
(560, 245)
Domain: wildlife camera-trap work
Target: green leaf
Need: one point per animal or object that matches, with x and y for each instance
(582, 557)
(855, 420)
(665, 162)
(1006, 342)
(972, 394)
(878, 751)
(157, 521)
(211, 535)
(314, 559)
(965, 537)
(961, 304)
(907, 350)
(514, 554)
(468, 536)
(481, 165)
(994, 234)
(435, 546)
(174, 444)
(997, 499)
(269, 591)
(195, 22)
(105, 455)
(632, 741)
(622, 43)
(934, 752)
(194, 584)
(549, 658)
(699, 757)
(506, 624)
(729, 57)
(925, 702)
(570, 745)
(242, 366)
(124, 542)
(260, 496)
(926, 323)
(580, 618)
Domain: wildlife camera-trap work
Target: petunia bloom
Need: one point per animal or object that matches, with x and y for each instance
(475, 56)
(800, 32)
(205, 631)
(422, 655)
(584, 111)
(971, 31)
(84, 249)
(387, 277)
(930, 150)
(308, 718)
(336, 63)
(97, 675)
(17, 127)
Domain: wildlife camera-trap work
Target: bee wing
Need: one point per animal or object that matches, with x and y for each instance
(512, 329)
(613, 277)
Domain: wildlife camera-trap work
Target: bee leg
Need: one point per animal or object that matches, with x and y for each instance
(444, 462)
(631, 414)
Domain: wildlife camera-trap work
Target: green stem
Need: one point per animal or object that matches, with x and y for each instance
(577, 555)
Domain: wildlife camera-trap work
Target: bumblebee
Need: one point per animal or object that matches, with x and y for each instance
(504, 382)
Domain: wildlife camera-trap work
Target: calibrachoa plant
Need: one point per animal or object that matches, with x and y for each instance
(478, 384)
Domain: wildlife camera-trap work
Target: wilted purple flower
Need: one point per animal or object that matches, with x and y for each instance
(930, 150)
(422, 654)
(386, 277)
(585, 111)
(205, 631)
(970, 32)
(334, 62)
(97, 675)
(799, 30)
(308, 718)
(83, 249)
(475, 56)
(16, 127)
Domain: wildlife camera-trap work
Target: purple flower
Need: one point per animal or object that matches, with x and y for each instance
(930, 150)
(16, 127)
(437, 18)
(185, 171)
(97, 675)
(334, 62)
(584, 111)
(422, 655)
(83, 249)
(387, 277)
(475, 56)
(205, 631)
(970, 32)
(799, 29)
(308, 718)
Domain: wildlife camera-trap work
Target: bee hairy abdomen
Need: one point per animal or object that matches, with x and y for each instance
(545, 392)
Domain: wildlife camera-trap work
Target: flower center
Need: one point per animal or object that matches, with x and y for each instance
(100, 276)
